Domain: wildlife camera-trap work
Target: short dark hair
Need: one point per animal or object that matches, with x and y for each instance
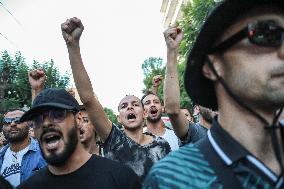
(130, 95)
(150, 93)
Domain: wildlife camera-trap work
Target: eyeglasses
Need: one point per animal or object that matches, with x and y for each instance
(261, 33)
(7, 121)
(55, 116)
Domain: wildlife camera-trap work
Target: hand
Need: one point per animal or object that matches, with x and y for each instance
(173, 36)
(37, 79)
(72, 30)
(156, 81)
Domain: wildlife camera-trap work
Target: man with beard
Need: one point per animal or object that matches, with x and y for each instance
(236, 66)
(155, 125)
(21, 157)
(57, 122)
(130, 146)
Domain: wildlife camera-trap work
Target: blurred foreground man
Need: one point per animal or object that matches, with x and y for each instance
(236, 66)
(57, 121)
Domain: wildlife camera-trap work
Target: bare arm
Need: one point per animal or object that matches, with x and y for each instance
(71, 31)
(173, 37)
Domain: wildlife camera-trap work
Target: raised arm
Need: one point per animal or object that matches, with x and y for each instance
(71, 31)
(36, 79)
(173, 37)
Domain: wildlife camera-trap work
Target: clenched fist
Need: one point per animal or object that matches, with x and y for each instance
(72, 30)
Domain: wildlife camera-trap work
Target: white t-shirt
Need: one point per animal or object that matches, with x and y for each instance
(11, 167)
(171, 138)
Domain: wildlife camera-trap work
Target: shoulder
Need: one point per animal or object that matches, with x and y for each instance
(119, 171)
(39, 177)
(184, 167)
(4, 149)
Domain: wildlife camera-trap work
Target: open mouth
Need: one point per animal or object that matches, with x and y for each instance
(131, 116)
(153, 111)
(52, 140)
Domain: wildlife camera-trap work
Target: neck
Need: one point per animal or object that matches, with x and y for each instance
(18, 146)
(78, 158)
(91, 146)
(136, 135)
(204, 123)
(156, 128)
(249, 131)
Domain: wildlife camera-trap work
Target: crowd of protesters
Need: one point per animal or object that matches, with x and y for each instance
(234, 137)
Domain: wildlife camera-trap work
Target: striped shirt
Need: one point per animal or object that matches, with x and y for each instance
(188, 168)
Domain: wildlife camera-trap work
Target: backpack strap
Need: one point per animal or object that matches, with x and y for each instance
(224, 173)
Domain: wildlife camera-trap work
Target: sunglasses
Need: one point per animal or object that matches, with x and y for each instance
(7, 121)
(261, 33)
(55, 116)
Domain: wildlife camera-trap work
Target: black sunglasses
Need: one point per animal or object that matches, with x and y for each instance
(261, 33)
(55, 115)
(7, 121)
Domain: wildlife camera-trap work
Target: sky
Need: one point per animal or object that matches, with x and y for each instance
(118, 37)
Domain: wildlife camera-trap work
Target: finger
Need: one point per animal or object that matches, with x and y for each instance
(78, 22)
(170, 31)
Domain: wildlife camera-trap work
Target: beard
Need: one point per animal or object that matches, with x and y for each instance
(154, 119)
(19, 137)
(207, 114)
(70, 145)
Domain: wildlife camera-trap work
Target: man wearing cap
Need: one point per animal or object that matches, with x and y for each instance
(21, 157)
(56, 119)
(236, 66)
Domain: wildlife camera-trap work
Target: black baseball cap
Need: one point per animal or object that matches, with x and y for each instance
(223, 15)
(51, 98)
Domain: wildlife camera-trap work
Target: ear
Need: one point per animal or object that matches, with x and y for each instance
(118, 119)
(145, 114)
(216, 63)
(163, 109)
(79, 119)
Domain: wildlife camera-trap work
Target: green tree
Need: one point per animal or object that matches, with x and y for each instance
(15, 90)
(153, 66)
(194, 13)
(111, 115)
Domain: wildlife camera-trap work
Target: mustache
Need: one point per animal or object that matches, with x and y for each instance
(49, 129)
(277, 71)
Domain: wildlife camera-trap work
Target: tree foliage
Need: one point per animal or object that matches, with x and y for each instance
(111, 115)
(151, 67)
(15, 90)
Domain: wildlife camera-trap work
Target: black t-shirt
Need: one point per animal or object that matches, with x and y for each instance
(123, 149)
(96, 173)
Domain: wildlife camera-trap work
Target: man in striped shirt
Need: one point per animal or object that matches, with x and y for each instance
(235, 67)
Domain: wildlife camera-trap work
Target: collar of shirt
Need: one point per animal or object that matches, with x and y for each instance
(231, 152)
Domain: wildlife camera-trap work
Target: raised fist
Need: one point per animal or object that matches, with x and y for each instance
(37, 79)
(173, 36)
(157, 79)
(72, 30)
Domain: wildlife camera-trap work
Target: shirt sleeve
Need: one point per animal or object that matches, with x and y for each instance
(115, 139)
(195, 132)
